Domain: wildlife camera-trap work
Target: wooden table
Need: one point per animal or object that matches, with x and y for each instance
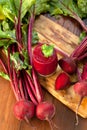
(64, 117)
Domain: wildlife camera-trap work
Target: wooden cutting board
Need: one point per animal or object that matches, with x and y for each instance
(49, 32)
(52, 33)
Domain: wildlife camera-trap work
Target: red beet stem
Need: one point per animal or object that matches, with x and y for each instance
(81, 44)
(80, 50)
(16, 84)
(29, 78)
(19, 24)
(30, 92)
(34, 76)
(82, 57)
(38, 89)
(21, 88)
(77, 120)
(8, 71)
(33, 87)
(18, 28)
(25, 90)
(59, 51)
(9, 65)
(4, 66)
(30, 38)
(17, 36)
(11, 77)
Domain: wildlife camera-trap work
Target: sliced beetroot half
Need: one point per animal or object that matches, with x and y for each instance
(62, 81)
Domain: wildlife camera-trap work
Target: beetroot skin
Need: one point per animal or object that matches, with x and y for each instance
(44, 65)
(24, 109)
(45, 111)
(81, 88)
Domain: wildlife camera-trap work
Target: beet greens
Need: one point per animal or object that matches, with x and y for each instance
(19, 70)
(19, 67)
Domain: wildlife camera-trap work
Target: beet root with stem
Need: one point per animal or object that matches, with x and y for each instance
(24, 110)
(46, 111)
(81, 89)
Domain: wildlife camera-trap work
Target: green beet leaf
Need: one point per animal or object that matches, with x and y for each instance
(47, 50)
(5, 76)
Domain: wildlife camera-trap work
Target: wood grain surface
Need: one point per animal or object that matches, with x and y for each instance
(64, 117)
(66, 41)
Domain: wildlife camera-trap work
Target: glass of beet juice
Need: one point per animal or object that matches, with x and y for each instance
(45, 59)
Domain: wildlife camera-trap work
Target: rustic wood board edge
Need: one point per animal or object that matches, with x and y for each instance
(66, 41)
(56, 34)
